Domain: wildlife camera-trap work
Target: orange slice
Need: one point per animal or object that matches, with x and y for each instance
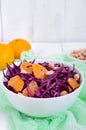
(39, 71)
(26, 67)
(73, 83)
(70, 89)
(16, 83)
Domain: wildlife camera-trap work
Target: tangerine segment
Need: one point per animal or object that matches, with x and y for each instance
(39, 71)
(16, 83)
(32, 87)
(73, 83)
(26, 67)
(69, 88)
(7, 55)
(19, 45)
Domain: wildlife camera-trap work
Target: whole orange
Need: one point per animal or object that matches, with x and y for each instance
(19, 45)
(6, 55)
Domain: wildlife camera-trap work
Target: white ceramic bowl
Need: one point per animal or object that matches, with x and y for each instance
(73, 58)
(41, 107)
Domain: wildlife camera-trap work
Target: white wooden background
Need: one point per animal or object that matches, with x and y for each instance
(57, 22)
(43, 20)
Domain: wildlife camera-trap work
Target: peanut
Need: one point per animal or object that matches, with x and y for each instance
(50, 72)
(76, 77)
(52, 66)
(25, 92)
(32, 87)
(63, 93)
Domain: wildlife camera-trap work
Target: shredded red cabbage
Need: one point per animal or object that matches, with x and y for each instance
(51, 86)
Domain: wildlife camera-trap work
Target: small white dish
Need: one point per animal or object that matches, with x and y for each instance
(73, 58)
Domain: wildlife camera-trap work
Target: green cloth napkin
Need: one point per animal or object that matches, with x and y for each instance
(72, 119)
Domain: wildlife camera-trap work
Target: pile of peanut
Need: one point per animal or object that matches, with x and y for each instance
(79, 54)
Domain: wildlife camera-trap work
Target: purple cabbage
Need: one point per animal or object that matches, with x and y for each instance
(51, 86)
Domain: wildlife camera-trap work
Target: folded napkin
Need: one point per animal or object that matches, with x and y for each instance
(72, 119)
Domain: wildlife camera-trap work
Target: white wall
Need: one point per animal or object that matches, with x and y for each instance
(16, 19)
(75, 20)
(43, 20)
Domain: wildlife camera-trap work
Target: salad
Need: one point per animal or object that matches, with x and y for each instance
(41, 79)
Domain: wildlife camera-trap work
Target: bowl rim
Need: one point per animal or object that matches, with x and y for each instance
(36, 98)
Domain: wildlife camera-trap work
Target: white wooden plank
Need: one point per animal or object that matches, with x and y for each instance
(17, 19)
(75, 25)
(68, 46)
(48, 20)
(46, 48)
